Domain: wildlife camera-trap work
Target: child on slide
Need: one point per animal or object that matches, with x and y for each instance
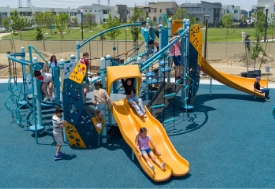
(142, 145)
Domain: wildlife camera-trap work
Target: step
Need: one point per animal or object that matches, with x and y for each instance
(169, 120)
(150, 74)
(158, 106)
(169, 95)
(162, 62)
(152, 81)
(166, 69)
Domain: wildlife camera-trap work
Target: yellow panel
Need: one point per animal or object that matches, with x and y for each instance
(176, 24)
(119, 72)
(129, 124)
(196, 37)
(78, 73)
(95, 122)
(73, 136)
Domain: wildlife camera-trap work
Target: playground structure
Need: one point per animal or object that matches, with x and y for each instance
(80, 130)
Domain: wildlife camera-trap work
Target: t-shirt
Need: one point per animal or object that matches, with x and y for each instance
(101, 96)
(56, 123)
(45, 77)
(83, 61)
(175, 49)
(144, 143)
(257, 85)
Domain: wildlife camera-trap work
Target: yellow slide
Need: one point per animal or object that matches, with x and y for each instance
(243, 84)
(129, 124)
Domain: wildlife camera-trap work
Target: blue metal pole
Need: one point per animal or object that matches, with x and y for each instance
(183, 54)
(169, 59)
(24, 74)
(61, 67)
(56, 84)
(147, 57)
(161, 46)
(187, 64)
(77, 51)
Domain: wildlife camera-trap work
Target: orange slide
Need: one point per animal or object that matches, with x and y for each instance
(129, 124)
(242, 84)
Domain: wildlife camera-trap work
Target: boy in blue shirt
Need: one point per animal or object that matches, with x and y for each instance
(146, 35)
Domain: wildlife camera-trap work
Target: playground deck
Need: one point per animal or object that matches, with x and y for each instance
(228, 140)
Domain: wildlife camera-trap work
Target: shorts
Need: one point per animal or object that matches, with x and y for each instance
(58, 137)
(177, 60)
(151, 42)
(84, 84)
(100, 107)
(147, 151)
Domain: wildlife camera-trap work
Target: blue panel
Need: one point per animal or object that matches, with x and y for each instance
(152, 33)
(75, 113)
(164, 37)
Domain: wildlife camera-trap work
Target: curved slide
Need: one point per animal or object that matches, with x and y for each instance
(242, 84)
(129, 124)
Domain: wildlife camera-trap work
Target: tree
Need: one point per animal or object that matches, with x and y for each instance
(182, 13)
(89, 19)
(272, 23)
(227, 21)
(39, 19)
(74, 19)
(18, 21)
(6, 23)
(110, 23)
(61, 21)
(39, 34)
(49, 18)
(135, 31)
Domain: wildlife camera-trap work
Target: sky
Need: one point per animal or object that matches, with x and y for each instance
(245, 4)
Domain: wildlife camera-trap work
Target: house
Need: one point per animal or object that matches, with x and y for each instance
(234, 10)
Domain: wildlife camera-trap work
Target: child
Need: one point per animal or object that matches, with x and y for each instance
(57, 133)
(142, 145)
(46, 79)
(85, 60)
(132, 98)
(175, 51)
(260, 89)
(145, 32)
(53, 63)
(101, 98)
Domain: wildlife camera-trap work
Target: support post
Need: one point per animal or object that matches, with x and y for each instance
(169, 59)
(61, 86)
(24, 74)
(183, 52)
(77, 51)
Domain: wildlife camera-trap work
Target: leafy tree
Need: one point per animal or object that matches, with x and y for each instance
(182, 13)
(110, 23)
(49, 18)
(18, 21)
(135, 31)
(256, 47)
(272, 23)
(6, 23)
(74, 20)
(39, 34)
(39, 19)
(89, 19)
(227, 22)
(61, 21)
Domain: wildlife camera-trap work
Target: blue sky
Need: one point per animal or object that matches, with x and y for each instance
(245, 4)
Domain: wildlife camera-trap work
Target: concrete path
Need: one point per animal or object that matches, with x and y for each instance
(4, 34)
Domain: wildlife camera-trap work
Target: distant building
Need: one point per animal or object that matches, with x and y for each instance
(234, 10)
(198, 10)
(261, 6)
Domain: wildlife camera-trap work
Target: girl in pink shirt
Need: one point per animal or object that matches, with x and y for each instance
(142, 145)
(175, 51)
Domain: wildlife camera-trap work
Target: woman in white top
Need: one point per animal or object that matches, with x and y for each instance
(53, 63)
(46, 79)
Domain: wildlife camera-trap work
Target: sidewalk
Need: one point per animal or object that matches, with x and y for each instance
(4, 34)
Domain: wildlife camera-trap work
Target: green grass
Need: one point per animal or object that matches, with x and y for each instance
(214, 34)
(75, 34)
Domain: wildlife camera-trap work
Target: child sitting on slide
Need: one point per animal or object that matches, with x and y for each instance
(101, 98)
(46, 79)
(142, 146)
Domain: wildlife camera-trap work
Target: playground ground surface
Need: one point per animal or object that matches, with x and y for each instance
(228, 140)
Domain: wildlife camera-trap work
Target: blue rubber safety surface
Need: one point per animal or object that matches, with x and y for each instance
(229, 141)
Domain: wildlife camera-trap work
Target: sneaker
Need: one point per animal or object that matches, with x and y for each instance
(144, 115)
(46, 98)
(57, 157)
(51, 99)
(163, 166)
(99, 125)
(101, 112)
(152, 167)
(267, 100)
(61, 154)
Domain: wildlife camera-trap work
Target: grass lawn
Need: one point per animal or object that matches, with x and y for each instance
(214, 34)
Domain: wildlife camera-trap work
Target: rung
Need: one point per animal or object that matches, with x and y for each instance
(169, 120)
(169, 95)
(158, 106)
(162, 62)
